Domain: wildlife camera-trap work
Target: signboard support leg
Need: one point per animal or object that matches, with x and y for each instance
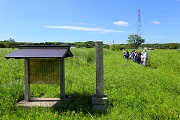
(62, 81)
(26, 83)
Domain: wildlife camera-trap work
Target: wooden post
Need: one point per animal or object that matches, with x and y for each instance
(26, 83)
(62, 76)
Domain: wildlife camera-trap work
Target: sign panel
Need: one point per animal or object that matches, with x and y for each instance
(44, 71)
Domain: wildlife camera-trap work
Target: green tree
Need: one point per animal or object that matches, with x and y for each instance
(135, 41)
(79, 44)
(115, 47)
(11, 43)
(89, 44)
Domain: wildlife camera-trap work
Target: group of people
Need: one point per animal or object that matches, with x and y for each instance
(139, 57)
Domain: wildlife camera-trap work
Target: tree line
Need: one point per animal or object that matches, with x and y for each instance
(134, 42)
(11, 43)
(115, 47)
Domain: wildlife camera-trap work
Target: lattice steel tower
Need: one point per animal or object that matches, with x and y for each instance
(139, 23)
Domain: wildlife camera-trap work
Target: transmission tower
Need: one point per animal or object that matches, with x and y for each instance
(139, 23)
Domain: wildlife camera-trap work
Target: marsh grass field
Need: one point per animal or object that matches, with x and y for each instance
(134, 91)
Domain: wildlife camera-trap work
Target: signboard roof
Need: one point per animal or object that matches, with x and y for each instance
(41, 52)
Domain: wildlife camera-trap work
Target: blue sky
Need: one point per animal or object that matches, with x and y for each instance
(89, 20)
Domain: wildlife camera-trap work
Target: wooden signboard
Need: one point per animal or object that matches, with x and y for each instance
(44, 71)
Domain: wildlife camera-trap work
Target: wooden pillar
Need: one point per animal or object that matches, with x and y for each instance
(62, 76)
(26, 83)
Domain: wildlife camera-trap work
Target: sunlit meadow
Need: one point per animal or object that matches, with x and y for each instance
(134, 91)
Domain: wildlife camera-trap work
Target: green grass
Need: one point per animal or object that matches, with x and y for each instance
(134, 91)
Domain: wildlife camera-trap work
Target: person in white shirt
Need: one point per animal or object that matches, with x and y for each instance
(145, 58)
(142, 58)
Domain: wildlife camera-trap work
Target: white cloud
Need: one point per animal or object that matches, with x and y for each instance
(121, 23)
(155, 22)
(85, 29)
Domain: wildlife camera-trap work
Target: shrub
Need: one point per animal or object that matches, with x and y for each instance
(116, 47)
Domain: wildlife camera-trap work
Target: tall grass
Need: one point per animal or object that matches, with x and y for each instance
(134, 91)
(166, 60)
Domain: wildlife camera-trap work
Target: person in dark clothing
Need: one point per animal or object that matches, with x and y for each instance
(126, 55)
(139, 58)
(132, 55)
